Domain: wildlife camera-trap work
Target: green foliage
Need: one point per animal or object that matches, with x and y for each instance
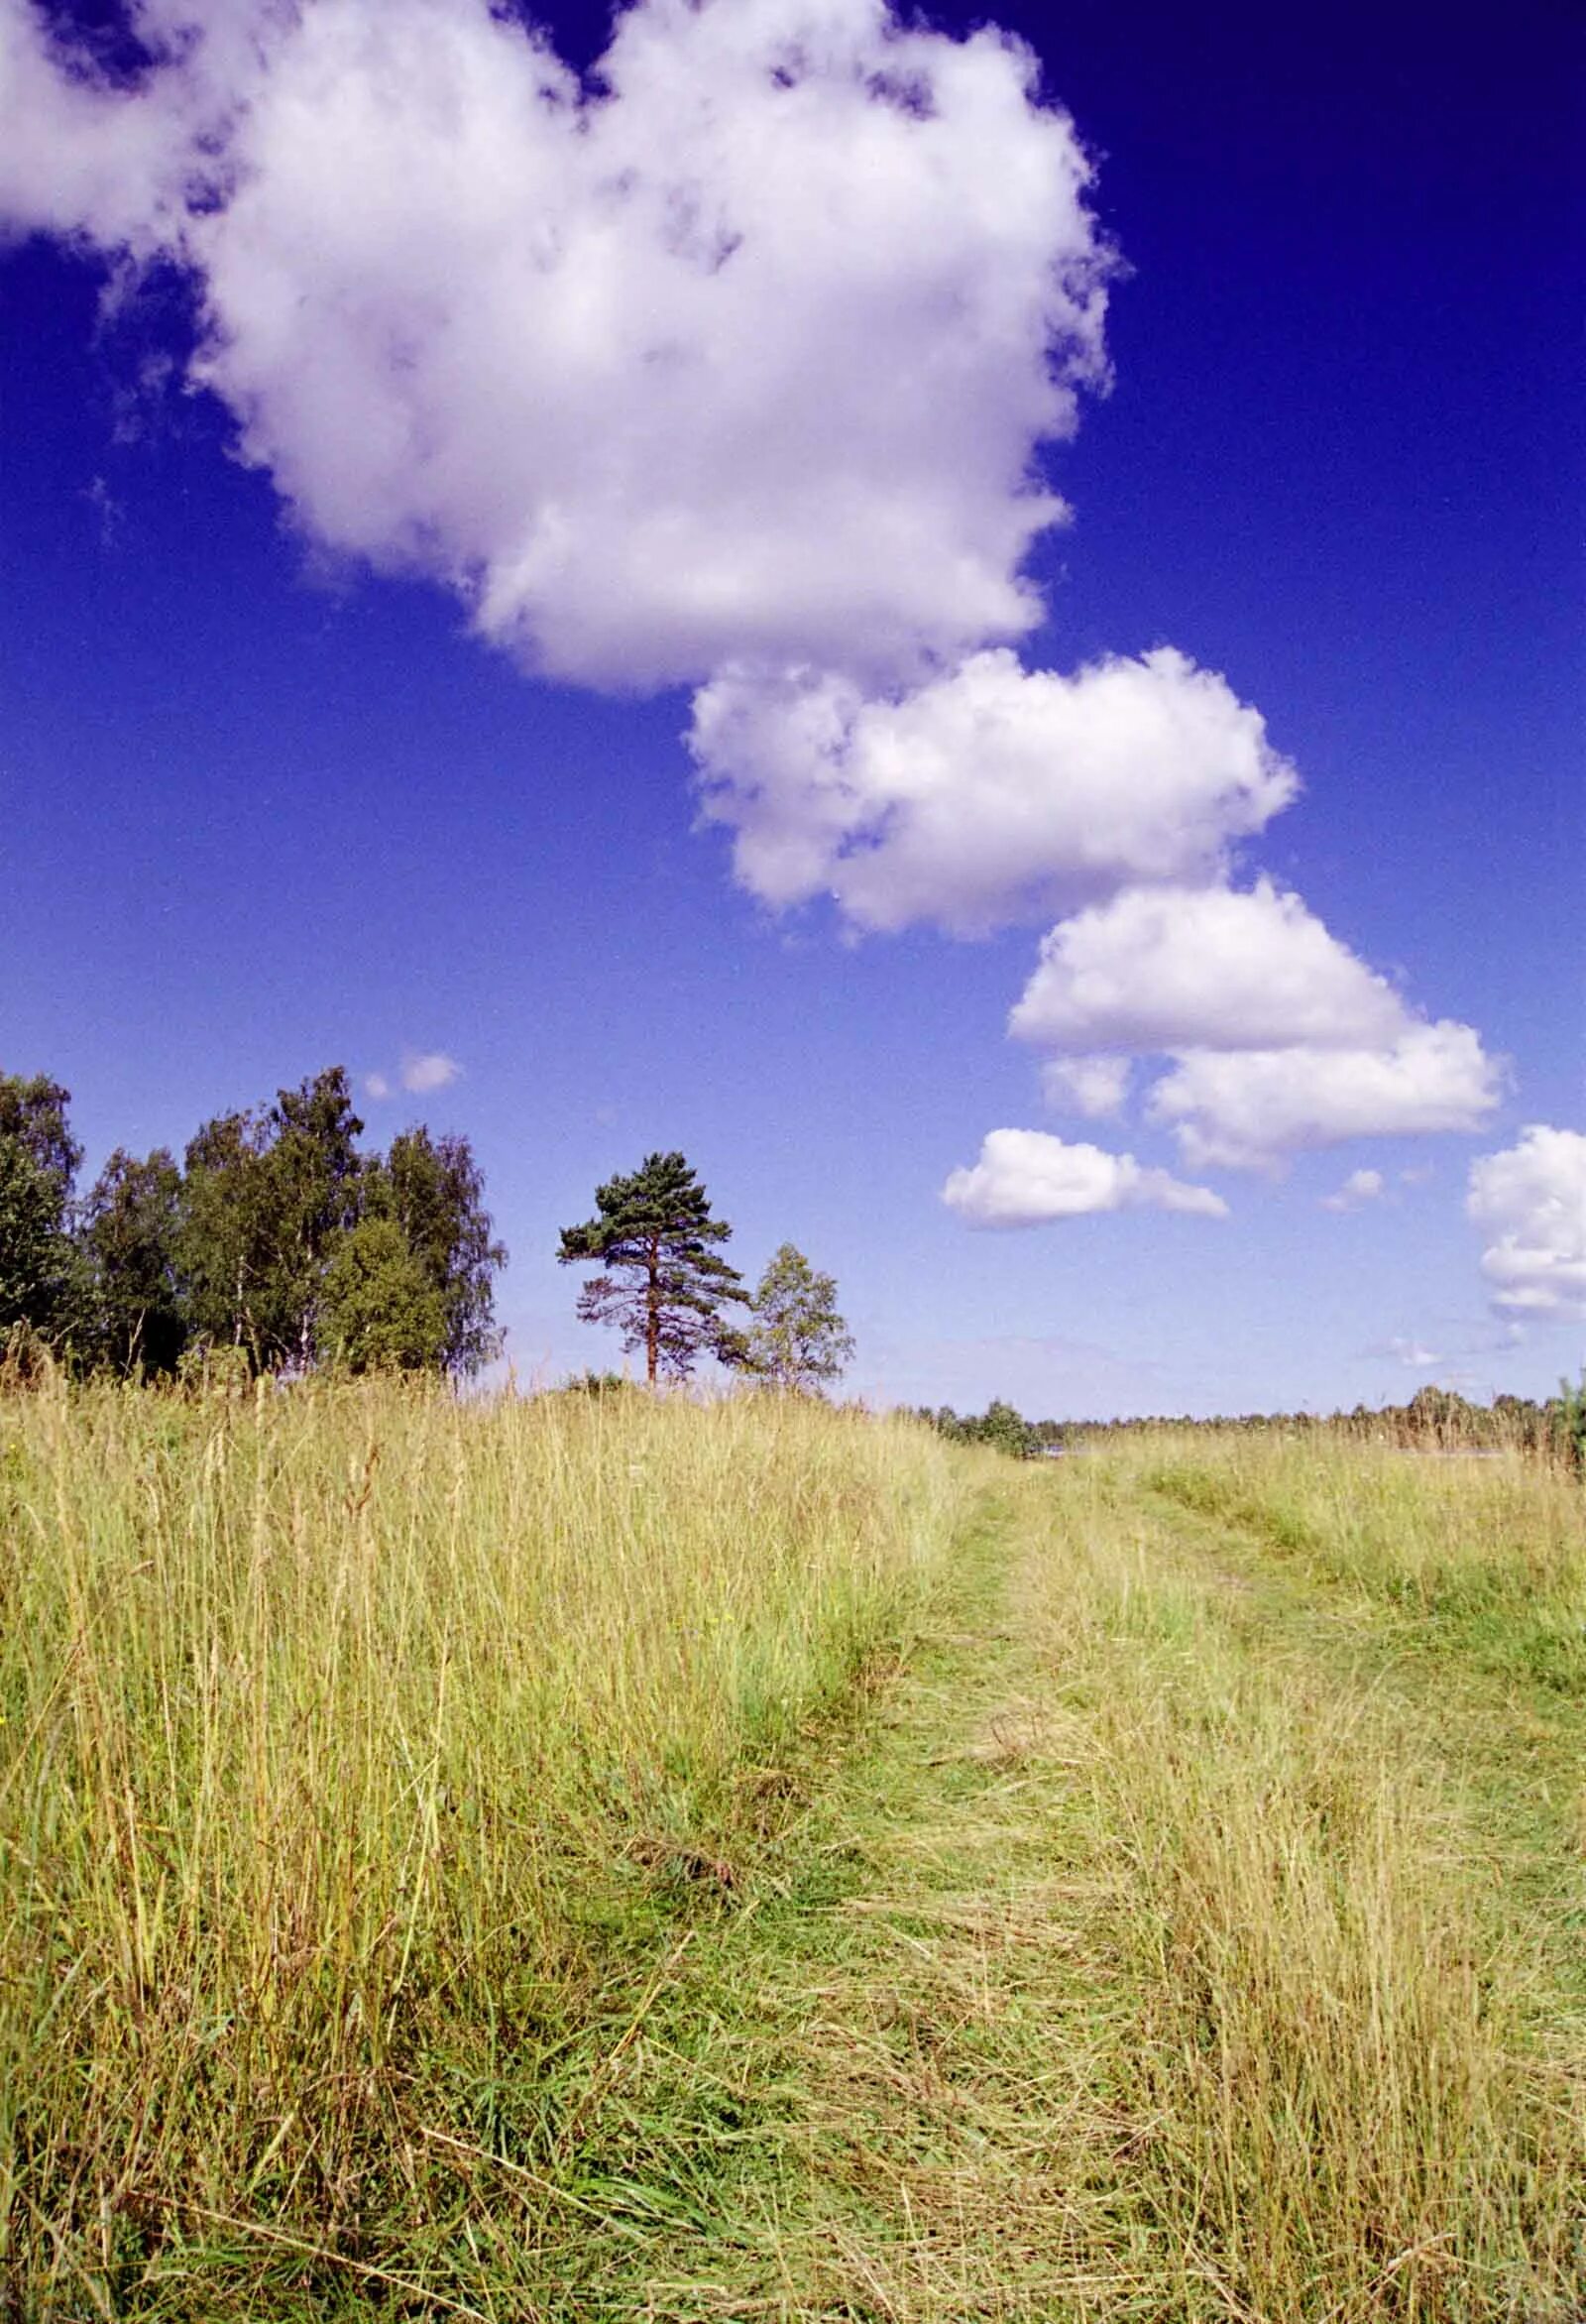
(254, 1247)
(315, 1176)
(227, 1245)
(1005, 1430)
(130, 1236)
(267, 1196)
(434, 1191)
(380, 1309)
(1435, 1419)
(660, 1282)
(1001, 1427)
(797, 1339)
(1569, 1413)
(34, 1112)
(274, 1206)
(40, 1280)
(593, 1383)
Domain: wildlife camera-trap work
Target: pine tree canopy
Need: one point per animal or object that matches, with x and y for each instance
(661, 1281)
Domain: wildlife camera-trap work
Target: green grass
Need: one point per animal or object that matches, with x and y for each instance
(605, 1859)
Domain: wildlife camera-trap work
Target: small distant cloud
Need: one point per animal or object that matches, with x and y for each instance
(109, 511)
(1359, 1188)
(1417, 1175)
(1414, 1356)
(421, 1072)
(1093, 1086)
(432, 1070)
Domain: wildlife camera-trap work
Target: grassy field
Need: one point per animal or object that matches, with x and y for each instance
(597, 1858)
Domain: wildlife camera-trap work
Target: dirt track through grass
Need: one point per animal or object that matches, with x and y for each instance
(1170, 1947)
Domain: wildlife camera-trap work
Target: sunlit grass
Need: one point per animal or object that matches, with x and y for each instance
(607, 1857)
(1491, 1546)
(1198, 1976)
(345, 1730)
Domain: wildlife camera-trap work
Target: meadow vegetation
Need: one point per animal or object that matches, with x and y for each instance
(615, 1856)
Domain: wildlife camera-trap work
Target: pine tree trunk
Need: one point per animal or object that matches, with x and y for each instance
(652, 1337)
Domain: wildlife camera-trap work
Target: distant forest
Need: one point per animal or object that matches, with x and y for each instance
(1435, 1420)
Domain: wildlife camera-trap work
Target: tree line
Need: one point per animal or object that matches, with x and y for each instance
(1001, 1426)
(1435, 1420)
(278, 1239)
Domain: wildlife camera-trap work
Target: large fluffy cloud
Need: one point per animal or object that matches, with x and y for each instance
(1178, 969)
(1530, 1198)
(746, 354)
(1251, 1109)
(730, 366)
(1026, 1178)
(989, 792)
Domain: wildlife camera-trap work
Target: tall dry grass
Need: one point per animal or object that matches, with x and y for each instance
(1345, 2062)
(430, 1878)
(331, 1722)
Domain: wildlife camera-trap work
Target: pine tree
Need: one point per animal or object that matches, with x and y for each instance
(660, 1282)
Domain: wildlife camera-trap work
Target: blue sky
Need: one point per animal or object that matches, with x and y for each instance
(341, 756)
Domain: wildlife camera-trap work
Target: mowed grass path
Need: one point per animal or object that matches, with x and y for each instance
(1165, 1903)
(1185, 1940)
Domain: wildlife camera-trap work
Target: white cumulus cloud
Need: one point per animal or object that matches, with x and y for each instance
(1530, 1198)
(1279, 1036)
(742, 352)
(1253, 1109)
(990, 794)
(1027, 1178)
(730, 365)
(1359, 1188)
(1177, 968)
